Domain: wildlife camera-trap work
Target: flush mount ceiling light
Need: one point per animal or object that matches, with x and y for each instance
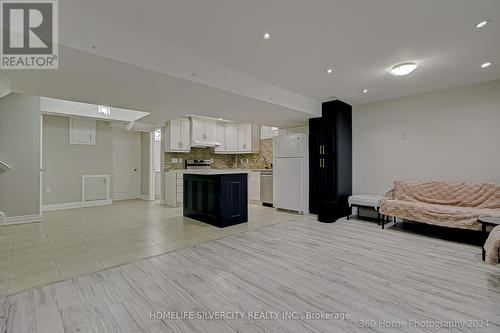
(403, 69)
(486, 65)
(329, 71)
(482, 24)
(266, 35)
(104, 110)
(365, 91)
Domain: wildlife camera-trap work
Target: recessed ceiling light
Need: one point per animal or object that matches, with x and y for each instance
(403, 69)
(486, 65)
(329, 71)
(266, 35)
(482, 24)
(365, 91)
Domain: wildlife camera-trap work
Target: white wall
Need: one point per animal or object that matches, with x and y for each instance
(450, 135)
(20, 148)
(65, 164)
(293, 130)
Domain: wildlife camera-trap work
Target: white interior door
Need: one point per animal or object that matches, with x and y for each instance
(126, 164)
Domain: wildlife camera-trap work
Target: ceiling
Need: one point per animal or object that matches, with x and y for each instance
(213, 52)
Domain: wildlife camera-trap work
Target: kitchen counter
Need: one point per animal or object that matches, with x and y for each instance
(214, 171)
(219, 171)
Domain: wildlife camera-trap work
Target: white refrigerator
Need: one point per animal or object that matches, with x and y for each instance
(291, 172)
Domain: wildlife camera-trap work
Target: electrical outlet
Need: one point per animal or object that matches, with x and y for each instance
(247, 161)
(48, 190)
(175, 160)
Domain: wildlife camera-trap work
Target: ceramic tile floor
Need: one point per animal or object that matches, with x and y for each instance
(74, 242)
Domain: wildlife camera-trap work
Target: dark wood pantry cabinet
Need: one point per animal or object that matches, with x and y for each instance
(330, 161)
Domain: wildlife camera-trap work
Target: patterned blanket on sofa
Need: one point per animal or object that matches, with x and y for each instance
(492, 246)
(456, 205)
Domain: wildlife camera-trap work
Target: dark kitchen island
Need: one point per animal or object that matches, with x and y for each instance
(219, 198)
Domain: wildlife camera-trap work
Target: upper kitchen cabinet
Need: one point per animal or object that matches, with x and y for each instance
(203, 133)
(220, 134)
(238, 138)
(231, 137)
(177, 137)
(248, 138)
(81, 131)
(268, 132)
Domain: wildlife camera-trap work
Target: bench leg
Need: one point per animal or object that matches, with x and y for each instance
(383, 223)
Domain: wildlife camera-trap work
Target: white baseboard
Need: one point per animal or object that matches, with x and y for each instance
(144, 197)
(23, 219)
(77, 204)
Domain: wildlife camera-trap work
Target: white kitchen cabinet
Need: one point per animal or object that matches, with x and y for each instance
(231, 137)
(174, 189)
(220, 134)
(254, 187)
(203, 132)
(238, 138)
(244, 137)
(268, 132)
(198, 130)
(177, 137)
(82, 131)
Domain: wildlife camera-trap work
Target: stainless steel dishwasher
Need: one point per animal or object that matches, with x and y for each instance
(266, 187)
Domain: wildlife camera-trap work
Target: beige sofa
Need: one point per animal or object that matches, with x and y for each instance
(455, 205)
(492, 246)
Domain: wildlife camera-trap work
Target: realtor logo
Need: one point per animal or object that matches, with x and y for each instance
(29, 34)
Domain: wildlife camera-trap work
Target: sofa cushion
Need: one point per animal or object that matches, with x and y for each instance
(477, 195)
(492, 246)
(442, 215)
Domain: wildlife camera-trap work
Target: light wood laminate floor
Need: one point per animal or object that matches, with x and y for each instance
(73, 242)
(389, 280)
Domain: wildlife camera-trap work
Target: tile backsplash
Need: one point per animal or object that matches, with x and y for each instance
(225, 161)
